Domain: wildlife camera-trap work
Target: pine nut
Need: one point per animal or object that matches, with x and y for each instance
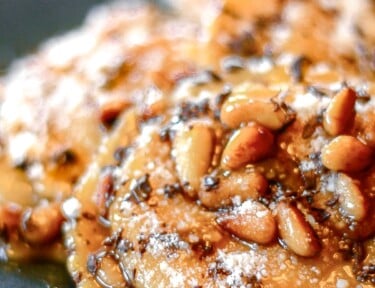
(247, 145)
(237, 184)
(346, 153)
(340, 112)
(351, 199)
(252, 221)
(10, 215)
(255, 106)
(41, 225)
(193, 149)
(296, 231)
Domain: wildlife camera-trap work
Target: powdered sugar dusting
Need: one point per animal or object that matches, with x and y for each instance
(240, 265)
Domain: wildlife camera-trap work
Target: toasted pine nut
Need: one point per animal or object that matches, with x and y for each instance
(296, 231)
(193, 148)
(247, 145)
(150, 110)
(252, 221)
(254, 106)
(340, 112)
(103, 192)
(42, 224)
(351, 199)
(346, 153)
(239, 184)
(10, 215)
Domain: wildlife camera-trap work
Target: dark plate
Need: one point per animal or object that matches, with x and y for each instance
(26, 23)
(34, 275)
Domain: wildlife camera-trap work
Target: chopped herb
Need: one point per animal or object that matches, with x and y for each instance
(297, 67)
(121, 154)
(170, 190)
(232, 63)
(210, 182)
(320, 215)
(316, 92)
(140, 188)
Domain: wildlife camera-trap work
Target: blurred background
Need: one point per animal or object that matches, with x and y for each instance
(26, 23)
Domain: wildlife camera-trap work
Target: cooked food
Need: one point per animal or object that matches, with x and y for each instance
(236, 148)
(58, 104)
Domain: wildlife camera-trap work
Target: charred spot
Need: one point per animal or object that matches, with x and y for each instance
(88, 215)
(65, 157)
(170, 190)
(320, 215)
(296, 69)
(108, 117)
(210, 182)
(22, 164)
(142, 243)
(121, 153)
(332, 201)
(244, 44)
(203, 248)
(165, 133)
(190, 110)
(77, 277)
(140, 189)
(252, 280)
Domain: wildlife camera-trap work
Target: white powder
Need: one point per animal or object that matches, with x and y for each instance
(342, 283)
(239, 264)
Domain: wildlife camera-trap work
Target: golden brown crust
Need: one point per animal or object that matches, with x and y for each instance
(145, 218)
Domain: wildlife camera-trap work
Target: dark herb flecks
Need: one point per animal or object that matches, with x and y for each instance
(296, 68)
(232, 63)
(140, 188)
(210, 182)
(121, 153)
(170, 190)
